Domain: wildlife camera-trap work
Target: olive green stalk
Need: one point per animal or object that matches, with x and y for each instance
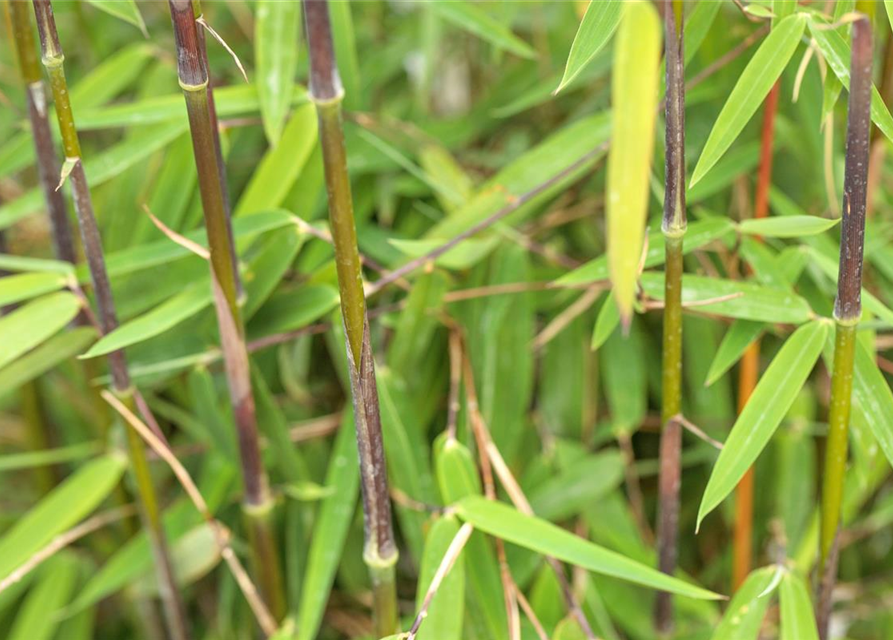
(53, 61)
(380, 552)
(257, 502)
(847, 309)
(674, 225)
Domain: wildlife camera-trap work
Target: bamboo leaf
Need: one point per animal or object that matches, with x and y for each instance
(276, 53)
(873, 399)
(740, 335)
(62, 508)
(447, 609)
(598, 25)
(281, 165)
(837, 54)
(770, 401)
(753, 301)
(607, 320)
(463, 256)
(25, 286)
(752, 87)
(269, 266)
(36, 619)
(475, 20)
(29, 325)
(330, 529)
(41, 359)
(533, 533)
(167, 315)
(634, 88)
(293, 309)
(744, 617)
(787, 226)
(125, 10)
(578, 487)
(797, 616)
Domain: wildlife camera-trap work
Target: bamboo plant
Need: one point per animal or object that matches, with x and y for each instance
(258, 503)
(326, 92)
(673, 226)
(73, 171)
(847, 310)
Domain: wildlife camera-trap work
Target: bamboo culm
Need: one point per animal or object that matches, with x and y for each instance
(847, 310)
(380, 553)
(53, 59)
(258, 503)
(673, 226)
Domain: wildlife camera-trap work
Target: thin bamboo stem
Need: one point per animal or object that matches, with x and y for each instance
(380, 553)
(257, 501)
(847, 310)
(53, 58)
(674, 226)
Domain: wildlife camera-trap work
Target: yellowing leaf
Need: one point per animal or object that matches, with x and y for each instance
(634, 91)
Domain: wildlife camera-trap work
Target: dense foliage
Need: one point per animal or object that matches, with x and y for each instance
(600, 246)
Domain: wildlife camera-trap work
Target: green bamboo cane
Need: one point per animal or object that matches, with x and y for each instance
(380, 553)
(847, 310)
(53, 59)
(673, 226)
(257, 502)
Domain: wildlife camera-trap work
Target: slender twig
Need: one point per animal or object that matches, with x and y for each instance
(258, 503)
(149, 510)
(674, 225)
(326, 92)
(221, 534)
(847, 308)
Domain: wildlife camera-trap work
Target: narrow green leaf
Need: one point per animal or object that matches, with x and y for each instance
(751, 302)
(533, 533)
(269, 266)
(472, 18)
(744, 617)
(62, 508)
(281, 165)
(873, 399)
(787, 226)
(752, 87)
(45, 457)
(330, 529)
(41, 359)
(447, 609)
(770, 401)
(740, 335)
(596, 28)
(463, 256)
(293, 309)
(836, 52)
(276, 54)
(634, 89)
(31, 324)
(24, 286)
(607, 320)
(578, 487)
(36, 619)
(125, 10)
(797, 616)
(165, 316)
